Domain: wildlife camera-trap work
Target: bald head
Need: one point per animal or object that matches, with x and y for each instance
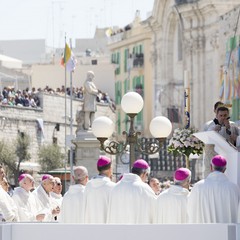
(80, 175)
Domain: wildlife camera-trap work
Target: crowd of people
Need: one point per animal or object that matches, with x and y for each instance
(134, 199)
(29, 97)
(21, 98)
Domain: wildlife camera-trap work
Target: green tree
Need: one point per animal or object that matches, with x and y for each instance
(50, 157)
(12, 154)
(8, 157)
(22, 147)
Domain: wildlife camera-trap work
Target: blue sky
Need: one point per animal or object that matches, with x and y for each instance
(50, 20)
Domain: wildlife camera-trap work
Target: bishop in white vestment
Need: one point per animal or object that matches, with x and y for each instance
(214, 199)
(27, 206)
(97, 191)
(172, 203)
(132, 200)
(72, 204)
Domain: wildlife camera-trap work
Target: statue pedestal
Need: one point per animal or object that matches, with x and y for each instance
(87, 151)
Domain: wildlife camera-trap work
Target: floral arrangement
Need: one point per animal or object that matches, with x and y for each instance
(183, 142)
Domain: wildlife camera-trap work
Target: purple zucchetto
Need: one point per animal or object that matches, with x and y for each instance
(219, 161)
(181, 174)
(103, 161)
(46, 177)
(25, 175)
(21, 177)
(140, 163)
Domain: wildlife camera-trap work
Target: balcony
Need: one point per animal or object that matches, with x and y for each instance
(138, 60)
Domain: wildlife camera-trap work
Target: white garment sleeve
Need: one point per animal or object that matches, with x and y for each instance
(238, 141)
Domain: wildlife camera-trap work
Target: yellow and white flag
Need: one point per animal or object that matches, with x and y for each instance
(109, 32)
(68, 60)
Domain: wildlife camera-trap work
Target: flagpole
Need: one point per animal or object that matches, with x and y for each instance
(65, 117)
(71, 121)
(187, 107)
(186, 99)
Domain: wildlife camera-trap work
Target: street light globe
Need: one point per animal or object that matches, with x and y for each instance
(102, 127)
(160, 127)
(132, 102)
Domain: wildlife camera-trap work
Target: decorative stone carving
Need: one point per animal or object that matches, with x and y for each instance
(214, 40)
(153, 57)
(80, 120)
(194, 44)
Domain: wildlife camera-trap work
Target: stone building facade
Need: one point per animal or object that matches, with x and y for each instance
(184, 36)
(229, 79)
(15, 120)
(187, 39)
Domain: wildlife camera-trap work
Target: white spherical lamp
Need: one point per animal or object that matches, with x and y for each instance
(102, 127)
(132, 102)
(160, 127)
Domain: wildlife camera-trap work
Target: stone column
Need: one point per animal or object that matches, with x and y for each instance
(87, 151)
(208, 154)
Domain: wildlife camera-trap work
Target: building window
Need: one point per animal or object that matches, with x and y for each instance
(116, 59)
(173, 114)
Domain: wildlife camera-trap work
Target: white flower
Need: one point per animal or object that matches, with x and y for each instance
(184, 142)
(187, 144)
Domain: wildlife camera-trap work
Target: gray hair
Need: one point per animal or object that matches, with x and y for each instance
(183, 182)
(80, 174)
(21, 183)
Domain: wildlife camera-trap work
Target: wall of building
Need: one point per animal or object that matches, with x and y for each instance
(21, 119)
(193, 27)
(137, 38)
(54, 75)
(230, 68)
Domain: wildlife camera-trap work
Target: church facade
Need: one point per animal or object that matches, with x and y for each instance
(189, 36)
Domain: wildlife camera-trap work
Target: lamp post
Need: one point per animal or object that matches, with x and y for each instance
(132, 103)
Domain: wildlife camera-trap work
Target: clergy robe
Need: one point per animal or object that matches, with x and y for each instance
(233, 128)
(131, 201)
(7, 207)
(172, 205)
(27, 205)
(46, 203)
(72, 205)
(96, 199)
(57, 199)
(214, 200)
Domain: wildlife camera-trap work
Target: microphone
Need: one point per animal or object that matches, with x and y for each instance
(215, 120)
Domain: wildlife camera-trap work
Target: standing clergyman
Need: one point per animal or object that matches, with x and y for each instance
(132, 201)
(172, 203)
(214, 199)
